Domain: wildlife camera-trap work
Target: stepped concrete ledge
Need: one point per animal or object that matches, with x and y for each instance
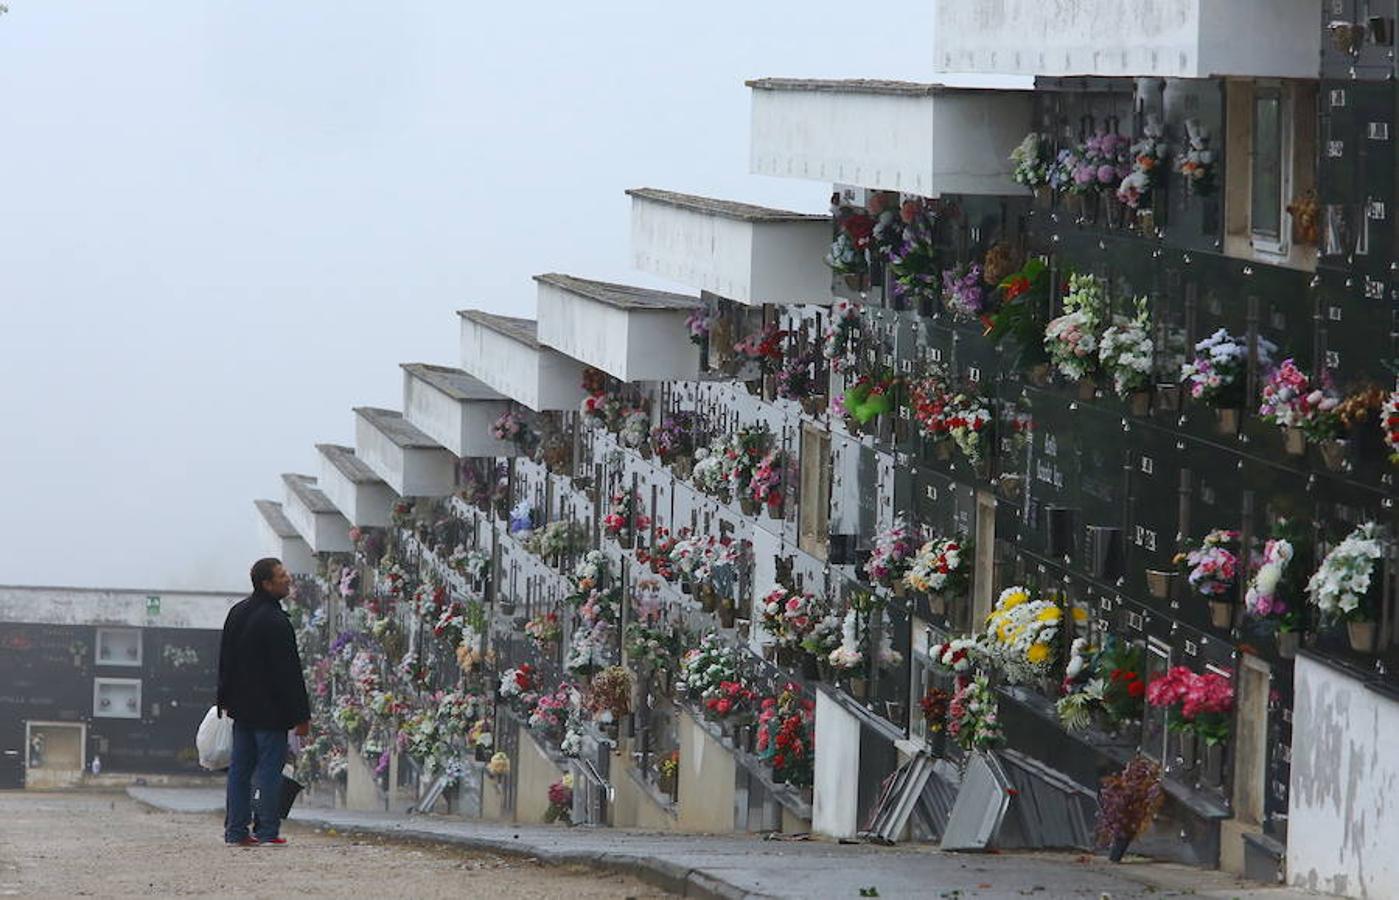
(747, 866)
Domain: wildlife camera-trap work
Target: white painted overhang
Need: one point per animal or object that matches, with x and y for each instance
(362, 496)
(454, 409)
(1119, 38)
(412, 463)
(504, 353)
(280, 539)
(747, 253)
(631, 333)
(314, 516)
(924, 139)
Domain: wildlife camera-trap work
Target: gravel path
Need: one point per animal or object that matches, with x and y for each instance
(86, 844)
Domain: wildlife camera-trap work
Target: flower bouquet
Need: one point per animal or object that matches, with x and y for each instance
(1389, 425)
(1341, 587)
(786, 726)
(1105, 682)
(699, 323)
(838, 342)
(940, 568)
(765, 484)
(609, 695)
(893, 552)
(1195, 704)
(1265, 595)
(1071, 339)
(787, 616)
(1017, 317)
(1216, 374)
(1307, 412)
(958, 656)
(962, 292)
(869, 397)
(672, 439)
(1214, 570)
(1196, 165)
(1127, 802)
(1125, 352)
(560, 801)
(913, 259)
(1031, 163)
(848, 254)
(973, 716)
(515, 428)
(704, 668)
(797, 378)
(1023, 635)
(544, 630)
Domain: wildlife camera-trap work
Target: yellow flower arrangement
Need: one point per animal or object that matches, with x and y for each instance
(1023, 634)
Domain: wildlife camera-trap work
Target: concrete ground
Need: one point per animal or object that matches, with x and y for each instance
(743, 866)
(106, 844)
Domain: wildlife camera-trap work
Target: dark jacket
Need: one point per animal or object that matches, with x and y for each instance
(260, 680)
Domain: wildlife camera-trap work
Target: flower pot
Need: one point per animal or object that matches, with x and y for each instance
(1168, 397)
(1288, 642)
(685, 587)
(1187, 749)
(1140, 403)
(790, 657)
(899, 589)
(1118, 849)
(507, 607)
(1294, 441)
(811, 668)
(483, 754)
(1212, 770)
(1087, 389)
(626, 538)
(1362, 636)
(1146, 222)
(748, 505)
(937, 604)
(1227, 421)
(814, 404)
(942, 449)
(1105, 551)
(1334, 454)
(775, 510)
(1112, 210)
(937, 743)
(1059, 530)
(754, 387)
(859, 688)
(1009, 485)
(1089, 205)
(727, 613)
(1221, 613)
(645, 450)
(1159, 581)
(1044, 197)
(854, 281)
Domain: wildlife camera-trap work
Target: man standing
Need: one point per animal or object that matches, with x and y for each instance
(261, 687)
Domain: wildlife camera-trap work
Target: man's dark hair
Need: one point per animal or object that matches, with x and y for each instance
(263, 570)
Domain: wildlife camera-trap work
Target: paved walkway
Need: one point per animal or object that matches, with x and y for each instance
(742, 866)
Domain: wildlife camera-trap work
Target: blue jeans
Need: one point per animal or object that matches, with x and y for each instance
(257, 760)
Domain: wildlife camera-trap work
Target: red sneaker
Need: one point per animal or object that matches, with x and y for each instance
(275, 842)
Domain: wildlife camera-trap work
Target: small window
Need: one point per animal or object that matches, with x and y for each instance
(116, 698)
(118, 647)
(1268, 182)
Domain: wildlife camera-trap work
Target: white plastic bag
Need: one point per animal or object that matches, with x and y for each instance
(215, 740)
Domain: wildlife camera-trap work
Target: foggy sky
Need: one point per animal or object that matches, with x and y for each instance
(223, 224)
